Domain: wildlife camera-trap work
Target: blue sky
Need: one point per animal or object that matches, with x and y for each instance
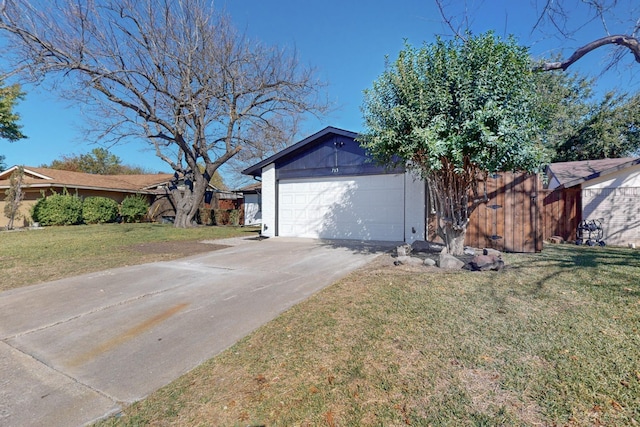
(346, 41)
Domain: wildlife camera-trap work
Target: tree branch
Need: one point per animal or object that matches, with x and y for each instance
(631, 43)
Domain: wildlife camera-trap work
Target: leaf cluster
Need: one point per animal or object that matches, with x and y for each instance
(9, 127)
(99, 161)
(99, 210)
(610, 129)
(453, 100)
(70, 209)
(134, 208)
(58, 209)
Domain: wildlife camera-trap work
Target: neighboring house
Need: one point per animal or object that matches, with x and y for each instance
(609, 190)
(326, 186)
(48, 181)
(251, 205)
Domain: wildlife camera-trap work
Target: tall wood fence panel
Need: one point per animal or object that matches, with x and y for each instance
(561, 212)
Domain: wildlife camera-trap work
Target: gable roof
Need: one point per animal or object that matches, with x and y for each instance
(251, 188)
(569, 174)
(47, 178)
(256, 170)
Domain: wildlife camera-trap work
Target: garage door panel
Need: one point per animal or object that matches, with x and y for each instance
(362, 208)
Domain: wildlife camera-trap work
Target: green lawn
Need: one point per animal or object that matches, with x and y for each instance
(552, 340)
(34, 256)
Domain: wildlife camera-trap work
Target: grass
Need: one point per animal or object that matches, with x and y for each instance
(552, 340)
(34, 256)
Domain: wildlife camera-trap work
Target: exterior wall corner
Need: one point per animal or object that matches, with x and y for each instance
(414, 208)
(269, 200)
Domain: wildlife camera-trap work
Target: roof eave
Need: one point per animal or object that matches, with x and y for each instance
(82, 187)
(27, 170)
(256, 170)
(604, 172)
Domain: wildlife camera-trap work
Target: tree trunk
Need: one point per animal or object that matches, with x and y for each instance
(183, 220)
(188, 200)
(455, 195)
(453, 238)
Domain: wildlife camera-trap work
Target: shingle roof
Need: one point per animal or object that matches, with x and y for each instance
(569, 174)
(256, 186)
(45, 177)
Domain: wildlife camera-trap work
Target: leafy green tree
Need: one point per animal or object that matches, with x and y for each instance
(15, 195)
(9, 127)
(593, 25)
(576, 126)
(609, 129)
(563, 101)
(453, 111)
(99, 161)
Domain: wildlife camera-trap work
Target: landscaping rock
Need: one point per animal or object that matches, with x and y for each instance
(409, 260)
(403, 250)
(429, 247)
(486, 263)
(489, 251)
(429, 262)
(556, 240)
(469, 251)
(449, 262)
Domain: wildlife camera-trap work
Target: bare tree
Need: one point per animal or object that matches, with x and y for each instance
(565, 19)
(174, 72)
(15, 195)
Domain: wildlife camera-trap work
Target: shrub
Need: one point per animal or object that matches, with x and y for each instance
(58, 209)
(134, 208)
(98, 210)
(234, 217)
(226, 216)
(206, 216)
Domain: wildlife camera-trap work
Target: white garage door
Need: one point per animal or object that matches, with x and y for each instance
(360, 208)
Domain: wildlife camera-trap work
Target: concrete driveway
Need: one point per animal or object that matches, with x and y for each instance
(78, 349)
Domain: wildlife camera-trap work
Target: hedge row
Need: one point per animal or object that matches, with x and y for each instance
(219, 216)
(67, 209)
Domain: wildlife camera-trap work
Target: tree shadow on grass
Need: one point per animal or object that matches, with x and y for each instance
(585, 261)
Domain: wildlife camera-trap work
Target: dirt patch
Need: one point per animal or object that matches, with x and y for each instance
(184, 248)
(488, 396)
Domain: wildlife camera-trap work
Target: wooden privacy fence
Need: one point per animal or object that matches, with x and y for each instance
(520, 214)
(511, 219)
(562, 212)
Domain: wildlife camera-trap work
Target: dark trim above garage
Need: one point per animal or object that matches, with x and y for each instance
(330, 152)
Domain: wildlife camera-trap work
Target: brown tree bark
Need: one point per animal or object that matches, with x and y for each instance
(629, 42)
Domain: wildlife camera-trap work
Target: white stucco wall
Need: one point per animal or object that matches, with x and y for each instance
(628, 177)
(269, 200)
(615, 199)
(414, 208)
(619, 211)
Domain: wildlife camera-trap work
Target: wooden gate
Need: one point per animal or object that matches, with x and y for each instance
(511, 220)
(519, 214)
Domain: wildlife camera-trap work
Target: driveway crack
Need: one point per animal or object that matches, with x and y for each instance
(90, 312)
